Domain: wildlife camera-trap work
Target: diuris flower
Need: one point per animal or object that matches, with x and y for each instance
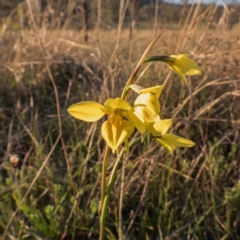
(120, 124)
(183, 65)
(159, 131)
(146, 105)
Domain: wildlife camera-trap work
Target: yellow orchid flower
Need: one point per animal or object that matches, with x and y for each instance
(120, 124)
(159, 130)
(146, 105)
(183, 65)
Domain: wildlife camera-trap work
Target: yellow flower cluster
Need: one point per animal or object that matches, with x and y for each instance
(147, 108)
(144, 115)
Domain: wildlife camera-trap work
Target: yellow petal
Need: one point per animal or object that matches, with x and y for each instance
(180, 55)
(184, 65)
(167, 146)
(149, 101)
(116, 130)
(145, 114)
(126, 132)
(151, 129)
(182, 76)
(136, 88)
(139, 124)
(87, 111)
(176, 141)
(156, 90)
(162, 126)
(117, 103)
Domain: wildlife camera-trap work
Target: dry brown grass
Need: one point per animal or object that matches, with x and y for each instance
(192, 194)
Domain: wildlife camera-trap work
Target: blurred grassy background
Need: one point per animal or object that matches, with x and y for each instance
(91, 51)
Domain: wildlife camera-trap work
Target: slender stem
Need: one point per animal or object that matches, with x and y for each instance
(108, 193)
(104, 207)
(120, 228)
(104, 173)
(103, 188)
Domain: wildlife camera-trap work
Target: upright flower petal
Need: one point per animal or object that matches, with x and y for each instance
(87, 111)
(156, 90)
(117, 103)
(148, 100)
(145, 114)
(146, 105)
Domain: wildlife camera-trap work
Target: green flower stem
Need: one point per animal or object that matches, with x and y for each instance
(107, 196)
(104, 207)
(104, 173)
(103, 188)
(159, 59)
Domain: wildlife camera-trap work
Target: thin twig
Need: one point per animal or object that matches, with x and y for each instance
(122, 12)
(28, 131)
